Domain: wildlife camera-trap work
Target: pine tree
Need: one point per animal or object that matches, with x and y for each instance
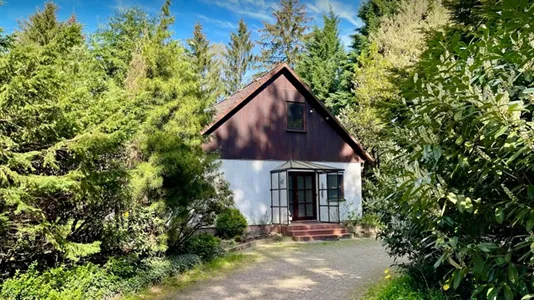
(115, 42)
(283, 41)
(204, 64)
(321, 65)
(238, 58)
(59, 171)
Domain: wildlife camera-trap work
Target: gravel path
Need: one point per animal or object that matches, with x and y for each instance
(333, 270)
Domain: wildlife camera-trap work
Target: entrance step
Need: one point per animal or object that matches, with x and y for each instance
(317, 231)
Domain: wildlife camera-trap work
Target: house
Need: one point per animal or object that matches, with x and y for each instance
(286, 157)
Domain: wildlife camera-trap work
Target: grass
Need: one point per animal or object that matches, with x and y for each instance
(214, 268)
(402, 287)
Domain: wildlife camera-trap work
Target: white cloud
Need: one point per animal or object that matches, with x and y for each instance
(250, 8)
(343, 10)
(224, 24)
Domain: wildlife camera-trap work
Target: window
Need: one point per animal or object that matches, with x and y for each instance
(295, 116)
(334, 184)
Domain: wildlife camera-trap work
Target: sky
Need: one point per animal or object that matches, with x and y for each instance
(218, 17)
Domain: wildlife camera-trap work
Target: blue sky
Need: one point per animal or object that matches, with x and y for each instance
(218, 17)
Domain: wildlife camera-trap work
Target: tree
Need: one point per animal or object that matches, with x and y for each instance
(60, 173)
(238, 58)
(462, 208)
(171, 170)
(394, 46)
(283, 40)
(204, 64)
(115, 42)
(321, 64)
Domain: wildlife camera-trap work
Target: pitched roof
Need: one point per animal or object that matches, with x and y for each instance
(232, 104)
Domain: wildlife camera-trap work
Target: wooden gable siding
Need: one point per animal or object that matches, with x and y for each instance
(257, 131)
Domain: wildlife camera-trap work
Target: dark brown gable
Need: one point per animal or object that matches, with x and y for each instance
(255, 127)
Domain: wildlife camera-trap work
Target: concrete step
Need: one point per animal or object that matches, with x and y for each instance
(324, 237)
(305, 232)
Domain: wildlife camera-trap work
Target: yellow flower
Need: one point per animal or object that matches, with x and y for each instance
(386, 271)
(446, 287)
(388, 276)
(126, 214)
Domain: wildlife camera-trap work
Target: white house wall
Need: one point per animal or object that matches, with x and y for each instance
(250, 181)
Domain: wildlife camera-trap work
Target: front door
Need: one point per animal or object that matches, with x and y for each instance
(302, 203)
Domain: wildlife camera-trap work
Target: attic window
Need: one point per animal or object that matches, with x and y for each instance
(295, 116)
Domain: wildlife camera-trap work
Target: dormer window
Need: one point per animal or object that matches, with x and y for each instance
(295, 116)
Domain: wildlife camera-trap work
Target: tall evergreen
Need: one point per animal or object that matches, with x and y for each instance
(115, 42)
(321, 65)
(238, 58)
(204, 64)
(283, 41)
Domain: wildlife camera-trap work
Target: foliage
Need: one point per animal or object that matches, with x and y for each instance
(61, 173)
(403, 287)
(93, 281)
(238, 57)
(401, 36)
(100, 146)
(205, 66)
(463, 204)
(204, 245)
(321, 64)
(366, 220)
(114, 42)
(231, 223)
(282, 41)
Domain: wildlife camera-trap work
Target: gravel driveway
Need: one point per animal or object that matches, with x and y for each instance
(333, 270)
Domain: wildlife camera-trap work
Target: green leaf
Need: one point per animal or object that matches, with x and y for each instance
(500, 132)
(530, 192)
(513, 275)
(478, 263)
(439, 261)
(457, 278)
(487, 247)
(499, 215)
(526, 297)
(493, 293)
(508, 295)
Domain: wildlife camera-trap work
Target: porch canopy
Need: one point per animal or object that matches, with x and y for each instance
(299, 165)
(330, 181)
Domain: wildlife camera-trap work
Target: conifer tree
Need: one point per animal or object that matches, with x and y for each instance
(115, 42)
(320, 66)
(283, 41)
(205, 65)
(238, 58)
(59, 172)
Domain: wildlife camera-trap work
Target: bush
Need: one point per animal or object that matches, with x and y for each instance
(204, 245)
(81, 282)
(464, 207)
(231, 223)
(119, 275)
(403, 287)
(367, 220)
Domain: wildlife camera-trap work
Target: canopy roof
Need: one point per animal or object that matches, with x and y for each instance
(304, 165)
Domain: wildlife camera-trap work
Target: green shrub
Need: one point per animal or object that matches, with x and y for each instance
(367, 220)
(231, 223)
(120, 275)
(155, 269)
(81, 282)
(403, 287)
(204, 245)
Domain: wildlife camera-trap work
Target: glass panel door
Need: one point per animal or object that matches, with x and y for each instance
(302, 203)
